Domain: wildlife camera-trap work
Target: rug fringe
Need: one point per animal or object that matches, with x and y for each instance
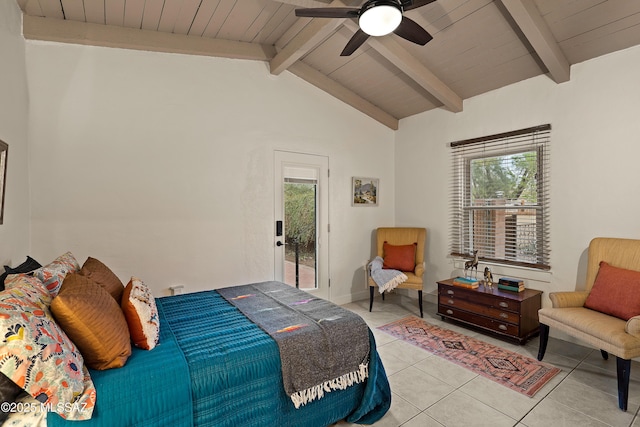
(302, 397)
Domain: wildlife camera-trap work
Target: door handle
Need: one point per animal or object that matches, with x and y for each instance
(279, 243)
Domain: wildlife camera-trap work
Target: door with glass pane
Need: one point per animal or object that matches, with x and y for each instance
(301, 228)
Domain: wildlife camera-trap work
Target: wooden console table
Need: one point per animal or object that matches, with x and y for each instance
(512, 315)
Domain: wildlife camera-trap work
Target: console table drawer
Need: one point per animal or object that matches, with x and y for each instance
(494, 325)
(481, 298)
(484, 310)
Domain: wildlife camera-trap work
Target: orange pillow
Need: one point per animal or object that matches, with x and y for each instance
(616, 292)
(94, 322)
(141, 312)
(103, 276)
(401, 258)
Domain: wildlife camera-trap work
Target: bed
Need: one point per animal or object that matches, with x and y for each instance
(213, 366)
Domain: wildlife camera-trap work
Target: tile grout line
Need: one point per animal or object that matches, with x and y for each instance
(583, 360)
(635, 416)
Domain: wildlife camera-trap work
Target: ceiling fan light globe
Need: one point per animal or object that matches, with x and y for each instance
(380, 20)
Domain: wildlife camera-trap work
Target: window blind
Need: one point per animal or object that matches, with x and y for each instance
(500, 197)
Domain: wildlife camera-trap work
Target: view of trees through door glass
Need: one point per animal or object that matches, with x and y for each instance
(300, 219)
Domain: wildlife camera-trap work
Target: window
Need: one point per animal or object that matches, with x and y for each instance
(500, 197)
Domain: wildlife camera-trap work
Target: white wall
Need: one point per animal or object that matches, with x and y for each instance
(14, 232)
(595, 154)
(161, 165)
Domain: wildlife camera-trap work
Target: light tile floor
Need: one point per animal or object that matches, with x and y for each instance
(430, 391)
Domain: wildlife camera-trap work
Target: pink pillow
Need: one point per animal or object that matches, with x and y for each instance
(616, 292)
(401, 258)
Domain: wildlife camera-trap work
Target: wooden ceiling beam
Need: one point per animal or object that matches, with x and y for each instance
(335, 89)
(58, 30)
(535, 29)
(408, 64)
(314, 33)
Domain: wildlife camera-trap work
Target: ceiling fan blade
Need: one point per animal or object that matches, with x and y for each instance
(410, 30)
(328, 12)
(416, 4)
(354, 43)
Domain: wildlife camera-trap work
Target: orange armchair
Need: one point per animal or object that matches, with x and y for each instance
(398, 236)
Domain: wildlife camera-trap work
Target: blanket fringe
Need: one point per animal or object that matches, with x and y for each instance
(391, 284)
(302, 397)
(386, 278)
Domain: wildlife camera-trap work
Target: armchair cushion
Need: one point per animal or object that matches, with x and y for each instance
(401, 257)
(616, 291)
(596, 329)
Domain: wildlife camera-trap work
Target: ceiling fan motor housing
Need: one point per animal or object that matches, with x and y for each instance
(380, 17)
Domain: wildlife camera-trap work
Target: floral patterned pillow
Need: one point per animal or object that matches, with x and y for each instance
(53, 274)
(140, 310)
(37, 355)
(30, 286)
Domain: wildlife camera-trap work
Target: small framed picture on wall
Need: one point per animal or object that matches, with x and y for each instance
(364, 191)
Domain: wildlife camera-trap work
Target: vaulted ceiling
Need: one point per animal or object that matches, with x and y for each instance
(477, 46)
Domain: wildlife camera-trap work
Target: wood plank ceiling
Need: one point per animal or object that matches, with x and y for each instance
(478, 45)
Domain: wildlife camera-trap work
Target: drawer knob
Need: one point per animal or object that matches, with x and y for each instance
(450, 292)
(449, 311)
(504, 304)
(503, 327)
(504, 315)
(450, 301)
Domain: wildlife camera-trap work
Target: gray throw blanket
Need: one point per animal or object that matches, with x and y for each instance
(385, 278)
(323, 347)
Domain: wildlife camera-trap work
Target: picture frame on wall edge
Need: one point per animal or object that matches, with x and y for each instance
(365, 191)
(4, 149)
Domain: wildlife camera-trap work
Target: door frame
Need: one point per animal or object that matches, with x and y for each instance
(320, 162)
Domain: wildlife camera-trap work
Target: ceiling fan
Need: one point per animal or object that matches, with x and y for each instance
(376, 18)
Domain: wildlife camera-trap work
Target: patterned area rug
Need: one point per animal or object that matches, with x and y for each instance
(520, 373)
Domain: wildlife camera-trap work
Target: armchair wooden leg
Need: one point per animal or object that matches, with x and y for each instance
(624, 369)
(420, 301)
(544, 339)
(370, 298)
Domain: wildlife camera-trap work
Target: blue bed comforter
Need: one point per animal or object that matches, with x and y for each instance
(214, 367)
